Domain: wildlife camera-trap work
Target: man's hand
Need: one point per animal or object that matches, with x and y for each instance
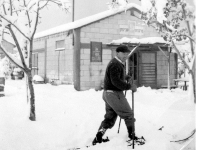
(131, 80)
(127, 77)
(133, 87)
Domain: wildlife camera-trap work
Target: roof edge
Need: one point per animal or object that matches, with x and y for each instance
(86, 20)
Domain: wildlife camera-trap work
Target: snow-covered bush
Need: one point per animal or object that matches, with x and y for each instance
(16, 71)
(5, 67)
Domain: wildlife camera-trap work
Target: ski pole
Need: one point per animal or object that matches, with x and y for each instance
(120, 119)
(119, 125)
(133, 118)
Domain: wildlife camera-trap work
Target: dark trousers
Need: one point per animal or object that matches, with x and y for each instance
(116, 105)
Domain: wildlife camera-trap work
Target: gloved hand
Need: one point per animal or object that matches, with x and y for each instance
(133, 87)
(131, 80)
(127, 77)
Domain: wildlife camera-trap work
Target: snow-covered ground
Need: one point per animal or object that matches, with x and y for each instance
(67, 118)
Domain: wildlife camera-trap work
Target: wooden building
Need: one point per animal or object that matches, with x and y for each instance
(152, 63)
(78, 52)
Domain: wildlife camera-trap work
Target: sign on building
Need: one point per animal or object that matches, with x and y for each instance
(96, 51)
(137, 27)
(133, 27)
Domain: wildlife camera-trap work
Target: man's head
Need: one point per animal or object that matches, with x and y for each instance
(122, 52)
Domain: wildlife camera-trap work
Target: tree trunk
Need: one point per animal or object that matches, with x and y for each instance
(32, 97)
(193, 73)
(194, 86)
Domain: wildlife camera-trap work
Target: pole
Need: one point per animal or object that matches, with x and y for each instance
(73, 11)
(119, 125)
(168, 60)
(133, 118)
(120, 119)
(73, 2)
(58, 65)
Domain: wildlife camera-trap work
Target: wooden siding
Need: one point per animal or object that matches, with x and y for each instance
(147, 71)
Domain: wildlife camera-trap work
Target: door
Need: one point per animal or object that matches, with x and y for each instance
(147, 73)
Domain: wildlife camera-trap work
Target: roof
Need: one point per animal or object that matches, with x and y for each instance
(146, 40)
(87, 20)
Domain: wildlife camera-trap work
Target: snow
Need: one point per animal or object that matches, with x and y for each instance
(146, 40)
(68, 118)
(85, 21)
(37, 78)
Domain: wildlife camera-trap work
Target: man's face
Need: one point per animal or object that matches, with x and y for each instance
(122, 56)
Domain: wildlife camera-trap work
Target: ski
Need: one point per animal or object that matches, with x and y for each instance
(187, 138)
(87, 146)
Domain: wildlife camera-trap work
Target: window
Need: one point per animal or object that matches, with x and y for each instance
(60, 45)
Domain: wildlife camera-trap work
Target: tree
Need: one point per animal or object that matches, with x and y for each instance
(175, 21)
(19, 20)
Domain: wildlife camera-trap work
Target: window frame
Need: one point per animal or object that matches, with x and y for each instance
(59, 48)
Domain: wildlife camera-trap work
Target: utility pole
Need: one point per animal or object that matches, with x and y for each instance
(73, 2)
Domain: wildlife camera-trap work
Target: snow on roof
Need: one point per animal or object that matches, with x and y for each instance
(85, 21)
(146, 40)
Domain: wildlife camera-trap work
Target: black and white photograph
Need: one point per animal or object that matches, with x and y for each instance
(98, 74)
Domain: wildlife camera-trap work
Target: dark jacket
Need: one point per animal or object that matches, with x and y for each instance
(115, 77)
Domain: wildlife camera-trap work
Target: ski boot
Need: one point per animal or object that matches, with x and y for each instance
(99, 137)
(137, 140)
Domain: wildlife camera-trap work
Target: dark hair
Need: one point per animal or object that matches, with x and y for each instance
(123, 49)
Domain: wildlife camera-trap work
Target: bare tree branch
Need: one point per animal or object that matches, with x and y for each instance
(18, 47)
(27, 13)
(45, 4)
(10, 57)
(188, 27)
(4, 9)
(15, 27)
(11, 7)
(36, 22)
(179, 54)
(188, 37)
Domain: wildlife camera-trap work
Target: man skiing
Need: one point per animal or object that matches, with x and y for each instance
(115, 102)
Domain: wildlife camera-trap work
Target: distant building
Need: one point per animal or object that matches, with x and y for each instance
(81, 58)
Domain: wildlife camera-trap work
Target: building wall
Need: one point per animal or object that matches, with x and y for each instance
(106, 30)
(116, 27)
(59, 64)
(92, 73)
(162, 68)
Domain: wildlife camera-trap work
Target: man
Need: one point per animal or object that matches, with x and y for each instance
(115, 102)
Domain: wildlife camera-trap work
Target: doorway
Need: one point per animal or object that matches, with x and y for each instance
(147, 69)
(38, 63)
